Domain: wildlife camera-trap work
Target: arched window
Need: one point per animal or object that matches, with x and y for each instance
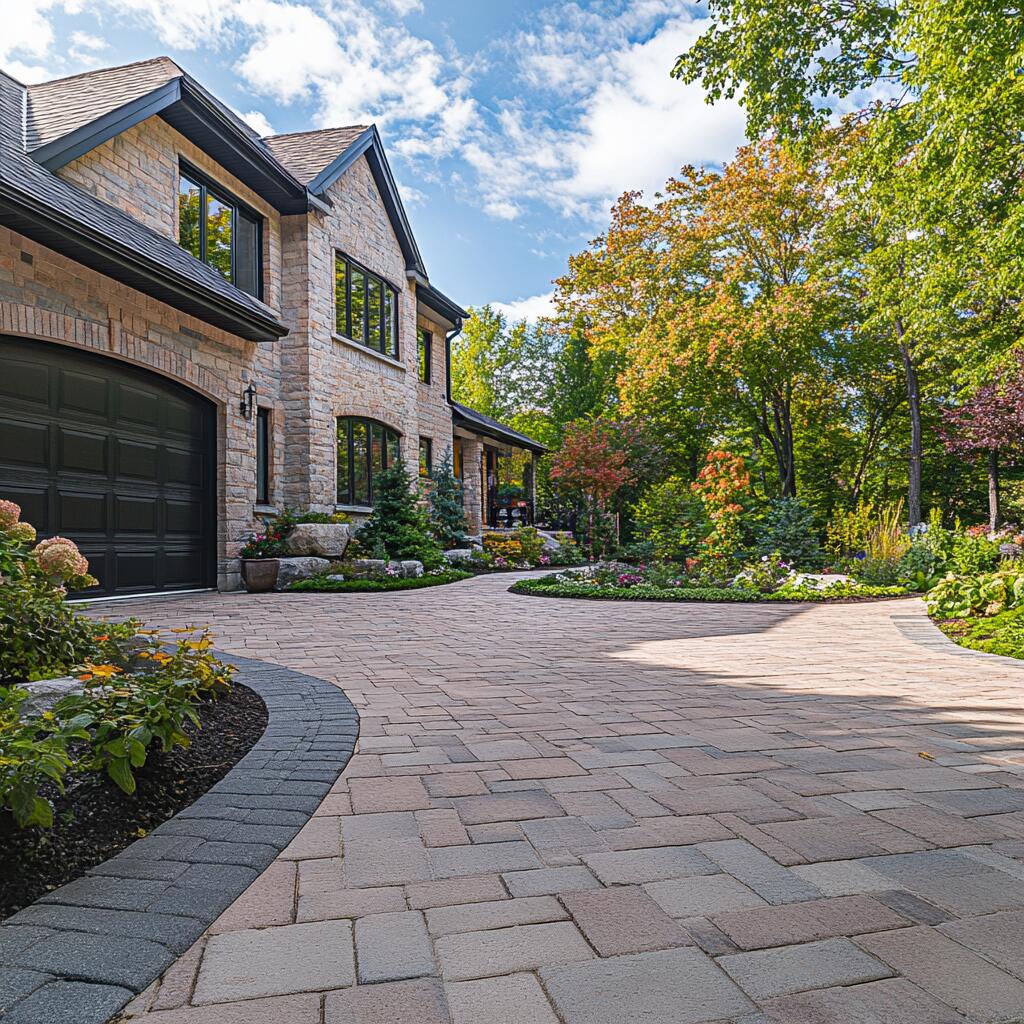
(365, 448)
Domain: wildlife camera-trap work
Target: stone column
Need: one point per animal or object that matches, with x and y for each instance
(472, 460)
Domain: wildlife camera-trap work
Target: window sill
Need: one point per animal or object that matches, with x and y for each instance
(358, 509)
(264, 510)
(366, 350)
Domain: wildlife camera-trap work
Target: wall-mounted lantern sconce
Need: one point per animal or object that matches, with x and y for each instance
(245, 406)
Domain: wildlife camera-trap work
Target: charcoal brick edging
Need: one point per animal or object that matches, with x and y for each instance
(82, 952)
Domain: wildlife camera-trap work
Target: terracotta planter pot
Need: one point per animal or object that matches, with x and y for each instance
(259, 574)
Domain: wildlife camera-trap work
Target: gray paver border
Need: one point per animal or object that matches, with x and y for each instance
(919, 629)
(125, 921)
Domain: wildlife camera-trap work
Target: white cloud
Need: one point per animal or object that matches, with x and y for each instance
(26, 40)
(257, 121)
(532, 308)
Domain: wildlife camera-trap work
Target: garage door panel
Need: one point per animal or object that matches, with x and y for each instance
(135, 515)
(81, 512)
(82, 453)
(119, 459)
(24, 444)
(137, 459)
(137, 406)
(24, 381)
(83, 393)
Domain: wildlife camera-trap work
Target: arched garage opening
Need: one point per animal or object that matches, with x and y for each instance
(117, 458)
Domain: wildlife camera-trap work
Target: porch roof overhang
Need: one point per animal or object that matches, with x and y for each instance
(478, 423)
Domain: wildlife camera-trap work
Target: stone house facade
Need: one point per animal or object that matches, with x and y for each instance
(199, 326)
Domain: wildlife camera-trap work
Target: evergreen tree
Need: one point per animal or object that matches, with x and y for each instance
(446, 512)
(399, 527)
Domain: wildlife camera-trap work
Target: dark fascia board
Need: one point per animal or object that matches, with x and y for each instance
(370, 145)
(441, 304)
(62, 151)
(497, 434)
(187, 107)
(122, 263)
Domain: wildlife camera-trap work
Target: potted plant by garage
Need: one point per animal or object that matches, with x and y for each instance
(260, 564)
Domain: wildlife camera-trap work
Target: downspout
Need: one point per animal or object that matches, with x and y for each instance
(448, 359)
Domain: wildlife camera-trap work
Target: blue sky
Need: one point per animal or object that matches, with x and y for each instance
(511, 125)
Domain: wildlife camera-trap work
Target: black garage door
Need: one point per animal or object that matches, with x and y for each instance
(118, 459)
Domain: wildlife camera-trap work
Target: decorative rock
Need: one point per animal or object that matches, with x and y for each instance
(818, 580)
(291, 569)
(324, 540)
(410, 568)
(458, 555)
(336, 577)
(363, 567)
(45, 693)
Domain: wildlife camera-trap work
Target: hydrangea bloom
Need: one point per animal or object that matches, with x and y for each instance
(24, 533)
(58, 556)
(9, 514)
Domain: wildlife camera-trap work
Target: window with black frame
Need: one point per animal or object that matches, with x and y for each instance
(365, 449)
(424, 344)
(263, 456)
(426, 456)
(220, 230)
(365, 307)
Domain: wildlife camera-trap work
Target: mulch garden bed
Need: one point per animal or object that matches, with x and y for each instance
(94, 820)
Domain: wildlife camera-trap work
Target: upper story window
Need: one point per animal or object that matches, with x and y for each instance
(220, 230)
(365, 307)
(424, 344)
(365, 449)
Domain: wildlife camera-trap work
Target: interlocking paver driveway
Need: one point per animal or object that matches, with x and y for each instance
(807, 815)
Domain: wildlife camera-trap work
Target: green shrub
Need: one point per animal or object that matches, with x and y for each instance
(672, 519)
(32, 752)
(40, 635)
(958, 597)
(398, 527)
(317, 584)
(1000, 634)
(447, 516)
(788, 530)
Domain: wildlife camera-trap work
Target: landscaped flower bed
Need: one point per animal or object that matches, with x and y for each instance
(560, 585)
(324, 584)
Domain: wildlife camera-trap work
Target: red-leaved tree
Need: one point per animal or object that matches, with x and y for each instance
(989, 423)
(591, 467)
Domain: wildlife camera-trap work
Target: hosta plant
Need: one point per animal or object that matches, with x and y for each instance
(958, 597)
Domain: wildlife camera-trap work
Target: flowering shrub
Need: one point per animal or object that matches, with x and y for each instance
(39, 634)
(720, 484)
(264, 545)
(629, 579)
(766, 574)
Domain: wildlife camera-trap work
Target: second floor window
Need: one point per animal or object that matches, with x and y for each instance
(365, 307)
(424, 341)
(217, 229)
(365, 449)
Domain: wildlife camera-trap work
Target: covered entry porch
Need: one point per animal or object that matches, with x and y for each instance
(498, 469)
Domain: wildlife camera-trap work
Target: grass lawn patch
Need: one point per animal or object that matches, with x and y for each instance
(320, 584)
(549, 586)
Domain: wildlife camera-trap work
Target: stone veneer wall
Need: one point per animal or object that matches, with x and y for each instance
(306, 379)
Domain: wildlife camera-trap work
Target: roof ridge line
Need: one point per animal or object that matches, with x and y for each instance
(115, 67)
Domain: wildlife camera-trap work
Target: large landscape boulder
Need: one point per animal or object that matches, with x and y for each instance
(365, 568)
(409, 568)
(291, 569)
(323, 540)
(457, 555)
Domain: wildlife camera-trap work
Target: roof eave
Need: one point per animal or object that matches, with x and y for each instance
(184, 105)
(496, 433)
(369, 145)
(441, 304)
(64, 235)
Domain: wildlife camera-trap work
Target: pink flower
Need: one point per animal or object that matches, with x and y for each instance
(58, 556)
(9, 514)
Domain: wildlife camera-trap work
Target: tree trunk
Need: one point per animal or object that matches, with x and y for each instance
(914, 401)
(993, 490)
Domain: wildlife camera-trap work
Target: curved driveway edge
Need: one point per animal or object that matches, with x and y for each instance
(83, 951)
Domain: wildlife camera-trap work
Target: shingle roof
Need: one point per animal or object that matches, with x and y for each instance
(54, 109)
(489, 426)
(306, 154)
(26, 186)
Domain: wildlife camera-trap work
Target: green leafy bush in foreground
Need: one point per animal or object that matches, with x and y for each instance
(318, 584)
(1000, 634)
(959, 597)
(549, 586)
